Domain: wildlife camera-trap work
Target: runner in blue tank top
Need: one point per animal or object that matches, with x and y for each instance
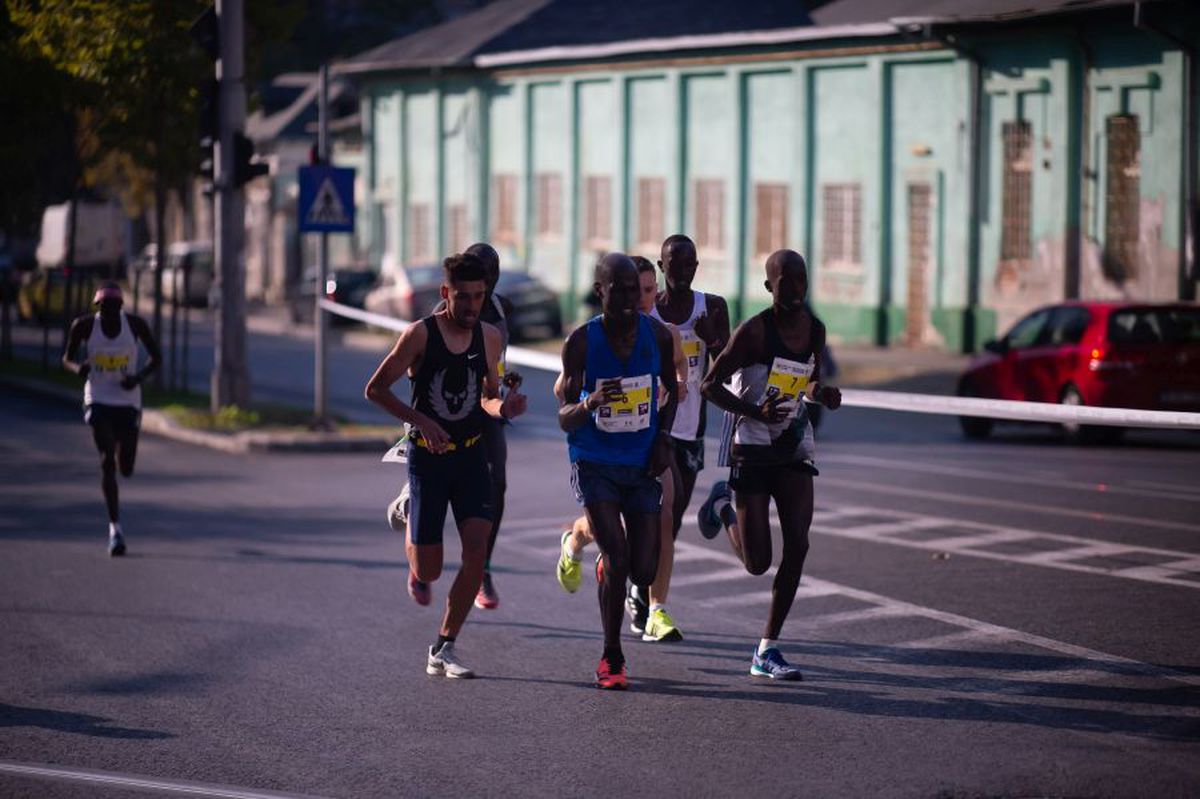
(619, 440)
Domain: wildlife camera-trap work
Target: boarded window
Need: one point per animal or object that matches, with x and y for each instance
(1122, 197)
(920, 241)
(651, 210)
(770, 217)
(841, 239)
(597, 211)
(549, 204)
(504, 209)
(459, 231)
(1017, 192)
(420, 234)
(710, 215)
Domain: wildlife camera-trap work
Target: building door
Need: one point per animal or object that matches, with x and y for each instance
(920, 257)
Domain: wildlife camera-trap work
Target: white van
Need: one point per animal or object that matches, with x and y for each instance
(99, 236)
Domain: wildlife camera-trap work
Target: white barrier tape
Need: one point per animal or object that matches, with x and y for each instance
(519, 356)
(1018, 411)
(885, 400)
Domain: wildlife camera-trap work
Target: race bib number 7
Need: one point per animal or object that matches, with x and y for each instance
(788, 379)
(693, 350)
(632, 412)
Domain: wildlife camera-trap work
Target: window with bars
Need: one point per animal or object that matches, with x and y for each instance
(710, 215)
(504, 209)
(1122, 197)
(420, 233)
(1017, 192)
(548, 214)
(597, 211)
(652, 211)
(457, 228)
(770, 217)
(841, 235)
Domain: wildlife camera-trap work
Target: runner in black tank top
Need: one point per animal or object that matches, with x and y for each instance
(769, 355)
(451, 357)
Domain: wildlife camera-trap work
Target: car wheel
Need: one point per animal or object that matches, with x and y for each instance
(1076, 433)
(974, 428)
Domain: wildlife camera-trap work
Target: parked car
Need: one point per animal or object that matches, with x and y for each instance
(414, 291)
(190, 272)
(1108, 354)
(345, 285)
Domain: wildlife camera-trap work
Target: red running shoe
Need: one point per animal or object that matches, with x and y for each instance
(611, 680)
(419, 591)
(487, 598)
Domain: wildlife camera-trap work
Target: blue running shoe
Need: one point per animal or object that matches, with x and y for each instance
(706, 518)
(772, 665)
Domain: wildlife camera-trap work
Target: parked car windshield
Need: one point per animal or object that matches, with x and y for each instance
(423, 275)
(1155, 326)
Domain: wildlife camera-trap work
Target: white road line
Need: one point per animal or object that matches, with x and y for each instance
(1056, 556)
(137, 783)
(1189, 489)
(882, 529)
(1008, 505)
(805, 591)
(962, 542)
(704, 578)
(997, 476)
(947, 641)
(850, 616)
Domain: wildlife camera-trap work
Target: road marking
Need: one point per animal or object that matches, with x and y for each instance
(1008, 505)
(704, 578)
(995, 476)
(142, 783)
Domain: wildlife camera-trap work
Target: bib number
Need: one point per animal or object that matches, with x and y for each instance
(693, 350)
(789, 379)
(632, 412)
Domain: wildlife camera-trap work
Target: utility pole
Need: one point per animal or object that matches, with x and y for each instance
(230, 379)
(320, 320)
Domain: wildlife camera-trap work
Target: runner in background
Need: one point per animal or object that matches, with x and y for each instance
(770, 360)
(112, 394)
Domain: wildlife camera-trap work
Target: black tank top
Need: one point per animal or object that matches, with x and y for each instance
(775, 344)
(448, 386)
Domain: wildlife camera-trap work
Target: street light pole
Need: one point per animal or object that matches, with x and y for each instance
(230, 379)
(320, 319)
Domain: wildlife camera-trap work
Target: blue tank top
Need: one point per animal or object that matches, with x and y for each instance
(622, 434)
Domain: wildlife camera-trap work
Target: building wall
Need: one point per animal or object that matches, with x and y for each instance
(859, 158)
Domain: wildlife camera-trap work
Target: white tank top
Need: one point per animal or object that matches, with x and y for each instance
(687, 415)
(111, 359)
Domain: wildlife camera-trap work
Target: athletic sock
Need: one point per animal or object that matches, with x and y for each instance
(657, 606)
(573, 553)
(727, 515)
(765, 644)
(114, 529)
(615, 657)
(441, 641)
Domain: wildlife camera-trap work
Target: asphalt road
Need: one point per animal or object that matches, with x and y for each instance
(1012, 618)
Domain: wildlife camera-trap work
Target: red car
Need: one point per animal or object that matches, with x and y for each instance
(1111, 354)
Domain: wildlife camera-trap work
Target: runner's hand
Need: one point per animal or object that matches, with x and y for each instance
(512, 380)
(609, 391)
(830, 397)
(706, 330)
(514, 405)
(773, 410)
(662, 453)
(84, 370)
(434, 435)
(129, 382)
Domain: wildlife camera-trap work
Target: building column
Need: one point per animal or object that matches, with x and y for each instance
(571, 201)
(741, 194)
(439, 173)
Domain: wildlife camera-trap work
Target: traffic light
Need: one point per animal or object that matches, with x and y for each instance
(245, 168)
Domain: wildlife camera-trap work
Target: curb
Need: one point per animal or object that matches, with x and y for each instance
(158, 423)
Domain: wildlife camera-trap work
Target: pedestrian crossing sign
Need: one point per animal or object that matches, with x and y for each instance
(326, 199)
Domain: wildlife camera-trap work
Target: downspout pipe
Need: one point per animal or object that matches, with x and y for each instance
(1189, 208)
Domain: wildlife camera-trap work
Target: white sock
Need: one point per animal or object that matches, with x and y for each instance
(573, 553)
(114, 529)
(767, 643)
(657, 606)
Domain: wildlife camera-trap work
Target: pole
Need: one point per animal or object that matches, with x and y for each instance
(230, 380)
(320, 322)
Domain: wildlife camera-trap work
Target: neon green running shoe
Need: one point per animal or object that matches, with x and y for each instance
(661, 627)
(569, 571)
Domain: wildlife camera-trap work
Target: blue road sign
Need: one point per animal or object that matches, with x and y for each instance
(326, 199)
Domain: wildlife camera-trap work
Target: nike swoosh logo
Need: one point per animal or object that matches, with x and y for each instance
(475, 355)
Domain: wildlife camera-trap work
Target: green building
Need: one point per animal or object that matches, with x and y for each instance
(943, 172)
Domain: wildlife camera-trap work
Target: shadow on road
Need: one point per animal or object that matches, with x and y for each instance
(79, 723)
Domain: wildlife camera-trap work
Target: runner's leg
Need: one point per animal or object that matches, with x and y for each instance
(751, 536)
(474, 534)
(106, 445)
(668, 528)
(127, 443)
(497, 454)
(604, 521)
(793, 492)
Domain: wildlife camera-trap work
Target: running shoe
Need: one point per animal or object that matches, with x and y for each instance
(487, 598)
(661, 627)
(421, 593)
(397, 511)
(444, 663)
(707, 518)
(608, 679)
(116, 545)
(771, 664)
(569, 570)
(638, 610)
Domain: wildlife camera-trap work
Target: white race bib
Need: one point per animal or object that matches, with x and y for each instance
(693, 350)
(632, 412)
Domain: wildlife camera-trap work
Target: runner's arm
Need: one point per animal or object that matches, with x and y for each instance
(681, 362)
(81, 328)
(661, 455)
(141, 331)
(829, 396)
(404, 355)
(714, 324)
(498, 408)
(746, 341)
(572, 414)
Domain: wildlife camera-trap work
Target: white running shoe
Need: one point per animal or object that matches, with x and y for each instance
(397, 511)
(446, 664)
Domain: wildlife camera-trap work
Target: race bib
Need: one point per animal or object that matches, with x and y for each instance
(789, 379)
(107, 362)
(693, 350)
(632, 412)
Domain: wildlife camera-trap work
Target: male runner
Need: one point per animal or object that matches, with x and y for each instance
(771, 358)
(496, 310)
(112, 395)
(452, 359)
(618, 441)
(568, 570)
